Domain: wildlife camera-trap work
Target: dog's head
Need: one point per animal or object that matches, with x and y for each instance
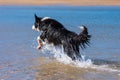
(40, 23)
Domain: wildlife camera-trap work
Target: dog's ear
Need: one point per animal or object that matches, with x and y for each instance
(37, 19)
(35, 15)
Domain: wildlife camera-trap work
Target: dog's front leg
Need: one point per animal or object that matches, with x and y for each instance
(40, 44)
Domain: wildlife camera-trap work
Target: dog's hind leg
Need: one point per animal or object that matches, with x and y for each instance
(72, 51)
(77, 52)
(69, 51)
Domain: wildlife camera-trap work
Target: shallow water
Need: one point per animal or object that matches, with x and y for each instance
(19, 60)
(58, 71)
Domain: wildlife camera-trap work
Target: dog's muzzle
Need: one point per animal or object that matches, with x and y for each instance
(36, 29)
(33, 28)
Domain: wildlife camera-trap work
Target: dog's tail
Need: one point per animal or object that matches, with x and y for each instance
(84, 38)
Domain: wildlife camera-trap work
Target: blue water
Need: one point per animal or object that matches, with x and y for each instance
(17, 38)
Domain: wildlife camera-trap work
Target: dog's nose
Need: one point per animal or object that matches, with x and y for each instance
(33, 27)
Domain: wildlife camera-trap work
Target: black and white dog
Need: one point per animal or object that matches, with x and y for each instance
(54, 32)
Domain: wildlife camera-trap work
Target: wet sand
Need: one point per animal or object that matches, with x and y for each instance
(49, 69)
(62, 2)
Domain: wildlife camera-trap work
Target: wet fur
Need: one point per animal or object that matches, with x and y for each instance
(55, 33)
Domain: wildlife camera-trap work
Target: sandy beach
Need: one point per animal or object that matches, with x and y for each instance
(62, 2)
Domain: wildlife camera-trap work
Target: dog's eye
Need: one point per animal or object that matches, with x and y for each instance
(36, 25)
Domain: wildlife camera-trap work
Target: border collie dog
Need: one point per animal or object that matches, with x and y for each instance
(54, 32)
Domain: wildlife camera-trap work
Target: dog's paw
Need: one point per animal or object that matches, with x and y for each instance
(39, 47)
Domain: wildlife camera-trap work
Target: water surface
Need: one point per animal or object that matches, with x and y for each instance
(19, 60)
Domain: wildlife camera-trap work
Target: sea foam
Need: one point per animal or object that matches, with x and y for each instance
(59, 54)
(62, 57)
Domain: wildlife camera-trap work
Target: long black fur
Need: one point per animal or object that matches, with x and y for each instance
(54, 32)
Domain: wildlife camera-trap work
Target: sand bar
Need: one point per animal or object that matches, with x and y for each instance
(62, 2)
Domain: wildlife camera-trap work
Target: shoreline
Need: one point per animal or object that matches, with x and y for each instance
(61, 2)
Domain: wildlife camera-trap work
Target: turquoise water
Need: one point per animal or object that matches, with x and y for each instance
(18, 41)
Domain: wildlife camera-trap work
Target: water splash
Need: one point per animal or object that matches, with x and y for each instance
(34, 44)
(60, 56)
